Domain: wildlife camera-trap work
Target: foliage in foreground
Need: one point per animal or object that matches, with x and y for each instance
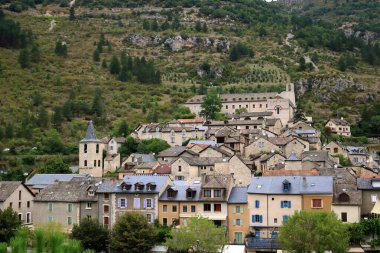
(314, 231)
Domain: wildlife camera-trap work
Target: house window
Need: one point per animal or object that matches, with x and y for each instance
(285, 218)
(106, 208)
(88, 205)
(98, 163)
(180, 178)
(278, 110)
(28, 204)
(19, 195)
(207, 193)
(94, 163)
(179, 168)
(106, 221)
(19, 205)
(106, 196)
(69, 220)
(217, 193)
(85, 148)
(193, 209)
(164, 208)
(50, 218)
(69, 207)
(253, 106)
(164, 222)
(237, 222)
(257, 218)
(136, 203)
(50, 207)
(226, 106)
(335, 150)
(207, 207)
(20, 216)
(28, 218)
(89, 217)
(10, 204)
(238, 237)
(343, 197)
(316, 203)
(344, 217)
(373, 198)
(148, 203)
(97, 148)
(184, 209)
(85, 163)
(170, 193)
(233, 106)
(275, 220)
(174, 208)
(217, 207)
(257, 203)
(238, 209)
(286, 204)
(149, 217)
(261, 106)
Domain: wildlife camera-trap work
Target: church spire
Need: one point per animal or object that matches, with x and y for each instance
(91, 132)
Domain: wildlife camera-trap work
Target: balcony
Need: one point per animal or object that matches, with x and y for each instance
(253, 243)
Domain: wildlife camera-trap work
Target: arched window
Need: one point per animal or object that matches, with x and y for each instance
(97, 148)
(85, 163)
(85, 148)
(343, 197)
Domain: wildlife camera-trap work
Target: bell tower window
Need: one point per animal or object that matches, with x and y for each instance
(85, 163)
(97, 148)
(85, 148)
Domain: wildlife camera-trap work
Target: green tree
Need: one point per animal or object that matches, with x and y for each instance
(198, 26)
(9, 131)
(96, 55)
(314, 231)
(146, 24)
(43, 117)
(57, 118)
(52, 142)
(91, 234)
(200, 235)
(211, 105)
(183, 112)
(240, 50)
(35, 53)
(155, 27)
(124, 74)
(133, 234)
(128, 147)
(23, 58)
(302, 64)
(204, 28)
(262, 31)
(54, 165)
(123, 129)
(104, 64)
(9, 223)
(72, 13)
(98, 108)
(165, 25)
(152, 146)
(60, 48)
(114, 65)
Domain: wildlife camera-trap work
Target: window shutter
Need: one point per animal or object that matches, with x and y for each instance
(257, 204)
(253, 218)
(241, 209)
(241, 222)
(234, 209)
(282, 204)
(144, 204)
(152, 218)
(290, 204)
(126, 202)
(234, 222)
(118, 203)
(152, 203)
(261, 219)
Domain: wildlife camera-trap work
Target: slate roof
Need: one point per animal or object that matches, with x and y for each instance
(203, 142)
(43, 180)
(305, 131)
(7, 188)
(180, 187)
(115, 187)
(90, 134)
(165, 128)
(143, 157)
(216, 181)
(293, 157)
(74, 190)
(366, 183)
(238, 195)
(269, 173)
(340, 122)
(176, 151)
(316, 155)
(356, 150)
(203, 161)
(274, 185)
(248, 114)
(218, 150)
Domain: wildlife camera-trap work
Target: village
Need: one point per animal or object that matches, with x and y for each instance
(248, 174)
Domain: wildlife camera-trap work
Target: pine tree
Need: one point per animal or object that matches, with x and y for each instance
(165, 25)
(43, 117)
(124, 76)
(302, 64)
(23, 58)
(114, 65)
(9, 131)
(198, 26)
(204, 28)
(154, 25)
(97, 108)
(104, 64)
(72, 13)
(35, 53)
(96, 55)
(57, 118)
(123, 58)
(146, 25)
(123, 129)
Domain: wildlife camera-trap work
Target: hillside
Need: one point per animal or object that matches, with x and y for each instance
(190, 43)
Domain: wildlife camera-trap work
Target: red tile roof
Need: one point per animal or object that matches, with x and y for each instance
(196, 120)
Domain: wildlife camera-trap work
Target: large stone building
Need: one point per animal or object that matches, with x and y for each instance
(280, 104)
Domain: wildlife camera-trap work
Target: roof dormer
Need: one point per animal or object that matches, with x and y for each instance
(286, 186)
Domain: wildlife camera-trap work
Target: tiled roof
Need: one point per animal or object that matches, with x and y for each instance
(216, 181)
(47, 179)
(366, 183)
(299, 185)
(238, 195)
(180, 187)
(158, 180)
(7, 188)
(196, 120)
(340, 122)
(176, 151)
(203, 161)
(163, 169)
(316, 155)
(270, 173)
(71, 191)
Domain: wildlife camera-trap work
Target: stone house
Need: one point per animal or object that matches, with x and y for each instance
(137, 193)
(212, 151)
(172, 153)
(113, 144)
(269, 161)
(370, 188)
(335, 149)
(196, 122)
(179, 202)
(281, 105)
(357, 155)
(272, 200)
(67, 202)
(238, 217)
(16, 195)
(259, 146)
(175, 136)
(215, 191)
(347, 197)
(321, 158)
(339, 126)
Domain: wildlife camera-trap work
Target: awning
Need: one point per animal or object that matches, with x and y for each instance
(376, 207)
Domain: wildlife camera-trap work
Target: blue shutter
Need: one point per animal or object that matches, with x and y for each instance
(253, 218)
(290, 204)
(152, 203)
(261, 219)
(257, 204)
(284, 218)
(282, 204)
(118, 202)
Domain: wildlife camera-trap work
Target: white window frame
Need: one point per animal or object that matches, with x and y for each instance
(149, 203)
(88, 205)
(28, 218)
(373, 198)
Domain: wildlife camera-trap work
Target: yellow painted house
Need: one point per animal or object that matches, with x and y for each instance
(238, 217)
